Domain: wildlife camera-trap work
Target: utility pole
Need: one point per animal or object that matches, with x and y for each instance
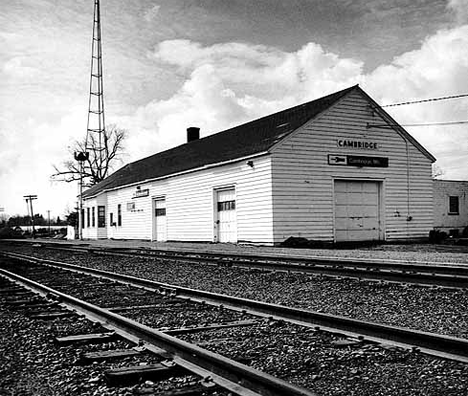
(29, 198)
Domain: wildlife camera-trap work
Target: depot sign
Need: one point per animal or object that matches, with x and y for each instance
(357, 144)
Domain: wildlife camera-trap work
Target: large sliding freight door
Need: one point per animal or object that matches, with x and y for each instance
(159, 220)
(226, 216)
(357, 210)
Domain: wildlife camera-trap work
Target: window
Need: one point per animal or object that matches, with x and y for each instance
(83, 225)
(88, 222)
(119, 215)
(111, 219)
(453, 205)
(101, 212)
(93, 217)
(226, 205)
(160, 212)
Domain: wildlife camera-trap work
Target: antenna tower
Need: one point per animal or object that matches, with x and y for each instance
(95, 129)
(96, 122)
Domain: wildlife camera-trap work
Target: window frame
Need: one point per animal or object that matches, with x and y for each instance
(226, 205)
(453, 200)
(119, 215)
(101, 216)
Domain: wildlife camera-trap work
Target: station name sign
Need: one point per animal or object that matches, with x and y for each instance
(357, 144)
(141, 193)
(357, 160)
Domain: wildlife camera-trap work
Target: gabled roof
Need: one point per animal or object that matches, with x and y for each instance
(242, 141)
(248, 139)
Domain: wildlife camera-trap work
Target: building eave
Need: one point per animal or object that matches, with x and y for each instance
(151, 180)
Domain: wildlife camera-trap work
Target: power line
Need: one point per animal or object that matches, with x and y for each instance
(417, 125)
(438, 123)
(427, 100)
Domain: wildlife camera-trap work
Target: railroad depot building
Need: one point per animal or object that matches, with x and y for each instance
(336, 169)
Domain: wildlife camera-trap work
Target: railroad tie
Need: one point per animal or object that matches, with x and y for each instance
(99, 356)
(93, 338)
(50, 315)
(133, 374)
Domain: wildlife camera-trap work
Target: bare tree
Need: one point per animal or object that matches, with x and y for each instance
(102, 157)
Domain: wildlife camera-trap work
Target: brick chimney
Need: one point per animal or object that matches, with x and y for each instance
(193, 133)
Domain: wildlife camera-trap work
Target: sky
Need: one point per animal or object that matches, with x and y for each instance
(170, 64)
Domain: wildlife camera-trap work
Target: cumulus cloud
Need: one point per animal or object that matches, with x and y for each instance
(230, 83)
(227, 84)
(15, 67)
(151, 13)
(460, 9)
(438, 68)
(264, 71)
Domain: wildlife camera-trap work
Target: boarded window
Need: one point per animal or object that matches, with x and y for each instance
(119, 215)
(101, 216)
(226, 205)
(453, 205)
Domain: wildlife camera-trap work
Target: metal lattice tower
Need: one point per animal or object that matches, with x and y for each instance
(96, 122)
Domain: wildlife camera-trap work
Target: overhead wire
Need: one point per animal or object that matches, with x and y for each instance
(427, 100)
(436, 99)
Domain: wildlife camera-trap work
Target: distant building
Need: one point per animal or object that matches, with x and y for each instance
(450, 206)
(335, 169)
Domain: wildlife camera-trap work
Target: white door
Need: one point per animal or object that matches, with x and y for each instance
(159, 220)
(357, 211)
(226, 216)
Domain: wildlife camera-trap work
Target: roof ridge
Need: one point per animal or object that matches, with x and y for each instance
(253, 137)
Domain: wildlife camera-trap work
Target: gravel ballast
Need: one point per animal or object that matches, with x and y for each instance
(32, 364)
(429, 309)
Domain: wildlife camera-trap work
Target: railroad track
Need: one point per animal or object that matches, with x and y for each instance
(184, 358)
(212, 324)
(454, 276)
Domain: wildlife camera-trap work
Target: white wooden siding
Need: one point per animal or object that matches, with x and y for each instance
(303, 179)
(191, 204)
(90, 232)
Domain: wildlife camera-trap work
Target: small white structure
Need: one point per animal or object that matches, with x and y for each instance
(451, 205)
(335, 169)
(71, 233)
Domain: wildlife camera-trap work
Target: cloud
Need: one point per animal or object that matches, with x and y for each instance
(438, 68)
(460, 9)
(230, 83)
(15, 67)
(227, 84)
(151, 13)
(263, 71)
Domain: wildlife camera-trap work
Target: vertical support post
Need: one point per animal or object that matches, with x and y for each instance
(29, 199)
(32, 218)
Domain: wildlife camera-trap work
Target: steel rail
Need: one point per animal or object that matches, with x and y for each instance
(264, 259)
(430, 274)
(431, 343)
(243, 380)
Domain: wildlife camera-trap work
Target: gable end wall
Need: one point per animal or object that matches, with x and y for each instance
(303, 180)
